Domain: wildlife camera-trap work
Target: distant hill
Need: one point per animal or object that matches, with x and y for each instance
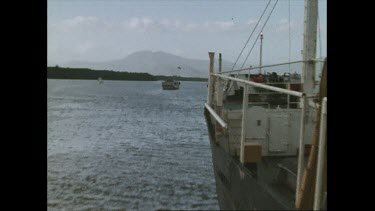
(161, 63)
(155, 63)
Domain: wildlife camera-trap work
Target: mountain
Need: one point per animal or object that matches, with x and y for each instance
(155, 63)
(161, 63)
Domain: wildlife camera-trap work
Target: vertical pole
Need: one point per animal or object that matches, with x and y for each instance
(320, 165)
(219, 100)
(309, 46)
(245, 103)
(288, 106)
(219, 87)
(307, 186)
(308, 81)
(301, 152)
(260, 59)
(290, 52)
(210, 78)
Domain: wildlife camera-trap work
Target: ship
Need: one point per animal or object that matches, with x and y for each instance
(267, 132)
(170, 84)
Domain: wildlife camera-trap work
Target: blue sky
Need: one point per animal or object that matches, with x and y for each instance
(100, 30)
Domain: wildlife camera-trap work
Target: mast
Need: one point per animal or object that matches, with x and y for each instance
(309, 46)
(305, 176)
(260, 59)
(210, 78)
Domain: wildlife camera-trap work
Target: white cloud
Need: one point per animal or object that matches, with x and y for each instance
(283, 25)
(138, 23)
(142, 24)
(251, 22)
(177, 25)
(78, 22)
(167, 24)
(91, 38)
(222, 25)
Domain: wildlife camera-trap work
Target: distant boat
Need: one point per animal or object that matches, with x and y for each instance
(171, 84)
(100, 80)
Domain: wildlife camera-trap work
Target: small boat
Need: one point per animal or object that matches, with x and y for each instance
(100, 81)
(171, 84)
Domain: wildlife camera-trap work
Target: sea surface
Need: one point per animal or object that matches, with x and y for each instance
(128, 145)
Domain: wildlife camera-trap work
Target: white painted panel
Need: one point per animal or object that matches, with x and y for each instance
(256, 124)
(279, 133)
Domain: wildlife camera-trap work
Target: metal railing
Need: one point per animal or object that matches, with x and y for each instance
(216, 116)
(272, 88)
(246, 83)
(304, 104)
(272, 65)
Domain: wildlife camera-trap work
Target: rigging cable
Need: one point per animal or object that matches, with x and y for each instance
(259, 35)
(264, 11)
(290, 52)
(265, 23)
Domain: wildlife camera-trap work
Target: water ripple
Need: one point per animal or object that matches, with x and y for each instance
(128, 146)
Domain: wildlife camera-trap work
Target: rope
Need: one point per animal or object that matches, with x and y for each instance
(289, 34)
(264, 11)
(265, 23)
(259, 34)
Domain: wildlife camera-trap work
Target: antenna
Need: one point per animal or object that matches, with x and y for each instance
(260, 57)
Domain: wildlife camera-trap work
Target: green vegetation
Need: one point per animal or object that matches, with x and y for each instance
(85, 73)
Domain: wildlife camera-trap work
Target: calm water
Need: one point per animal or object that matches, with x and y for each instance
(128, 145)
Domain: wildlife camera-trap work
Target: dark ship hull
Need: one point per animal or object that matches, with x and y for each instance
(170, 85)
(263, 186)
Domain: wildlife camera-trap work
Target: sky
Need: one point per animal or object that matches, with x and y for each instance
(102, 30)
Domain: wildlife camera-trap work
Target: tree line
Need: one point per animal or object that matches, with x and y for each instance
(85, 73)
